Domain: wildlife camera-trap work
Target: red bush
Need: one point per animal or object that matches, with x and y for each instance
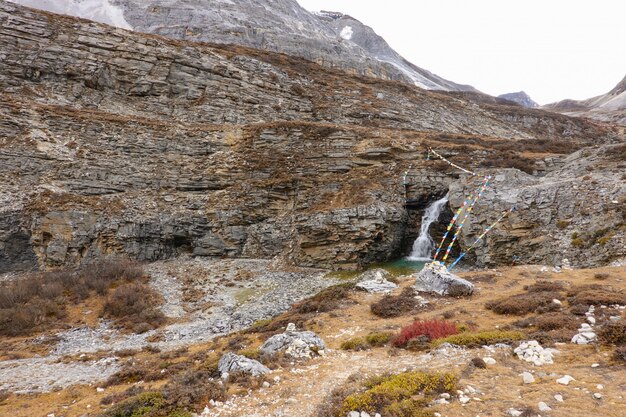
(433, 329)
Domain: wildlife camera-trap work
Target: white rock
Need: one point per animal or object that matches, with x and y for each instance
(515, 413)
(565, 380)
(557, 302)
(354, 414)
(378, 415)
(445, 395)
(436, 414)
(266, 384)
(600, 386)
(597, 395)
(585, 327)
(464, 400)
(591, 320)
(489, 361)
(364, 414)
(588, 335)
(543, 406)
(99, 389)
(595, 365)
(277, 379)
(559, 398)
(528, 378)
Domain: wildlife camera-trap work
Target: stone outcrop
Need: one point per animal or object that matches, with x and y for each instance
(114, 142)
(231, 362)
(298, 344)
(438, 280)
(574, 213)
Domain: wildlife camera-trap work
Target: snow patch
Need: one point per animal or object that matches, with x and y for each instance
(97, 10)
(346, 33)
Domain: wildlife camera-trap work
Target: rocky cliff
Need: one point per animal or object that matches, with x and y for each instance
(119, 142)
(330, 39)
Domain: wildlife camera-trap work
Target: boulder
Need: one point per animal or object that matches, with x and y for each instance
(375, 281)
(294, 343)
(435, 278)
(231, 362)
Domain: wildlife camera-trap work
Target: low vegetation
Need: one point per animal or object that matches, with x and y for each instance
(478, 339)
(429, 330)
(613, 334)
(367, 342)
(396, 305)
(39, 300)
(539, 298)
(393, 395)
(134, 306)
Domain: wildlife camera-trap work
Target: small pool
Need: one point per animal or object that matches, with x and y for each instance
(398, 267)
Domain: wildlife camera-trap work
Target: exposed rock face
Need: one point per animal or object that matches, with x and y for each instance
(575, 212)
(520, 98)
(118, 142)
(273, 25)
(231, 362)
(609, 107)
(298, 344)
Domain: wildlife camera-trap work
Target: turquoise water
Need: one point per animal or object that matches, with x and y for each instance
(398, 267)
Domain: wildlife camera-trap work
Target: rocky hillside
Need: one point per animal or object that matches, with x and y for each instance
(119, 142)
(520, 98)
(330, 39)
(606, 107)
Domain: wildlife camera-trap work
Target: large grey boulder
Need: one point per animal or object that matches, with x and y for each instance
(436, 279)
(294, 343)
(231, 362)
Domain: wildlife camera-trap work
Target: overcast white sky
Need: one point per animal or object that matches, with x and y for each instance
(552, 49)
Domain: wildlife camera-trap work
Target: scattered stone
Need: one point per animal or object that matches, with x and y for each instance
(445, 395)
(595, 365)
(528, 378)
(375, 281)
(557, 302)
(436, 279)
(514, 413)
(99, 389)
(354, 414)
(597, 395)
(600, 386)
(266, 384)
(464, 399)
(364, 414)
(585, 334)
(591, 320)
(231, 362)
(558, 397)
(489, 360)
(565, 380)
(544, 407)
(532, 351)
(296, 344)
(276, 379)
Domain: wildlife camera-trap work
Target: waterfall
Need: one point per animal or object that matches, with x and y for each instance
(424, 244)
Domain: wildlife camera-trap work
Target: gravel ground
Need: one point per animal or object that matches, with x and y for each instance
(225, 296)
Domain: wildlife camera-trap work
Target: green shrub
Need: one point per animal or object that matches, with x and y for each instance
(377, 339)
(356, 343)
(397, 388)
(480, 338)
(144, 404)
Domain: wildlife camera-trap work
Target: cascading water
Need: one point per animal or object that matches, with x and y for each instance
(424, 244)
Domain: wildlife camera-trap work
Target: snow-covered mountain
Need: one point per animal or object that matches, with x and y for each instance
(520, 98)
(609, 107)
(330, 39)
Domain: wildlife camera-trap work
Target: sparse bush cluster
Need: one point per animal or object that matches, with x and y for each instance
(134, 306)
(428, 330)
(369, 341)
(538, 298)
(40, 299)
(395, 305)
(478, 339)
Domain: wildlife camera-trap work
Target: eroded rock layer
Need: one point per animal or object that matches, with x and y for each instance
(118, 142)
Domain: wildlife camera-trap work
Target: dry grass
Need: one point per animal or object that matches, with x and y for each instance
(613, 334)
(396, 305)
(134, 306)
(39, 300)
